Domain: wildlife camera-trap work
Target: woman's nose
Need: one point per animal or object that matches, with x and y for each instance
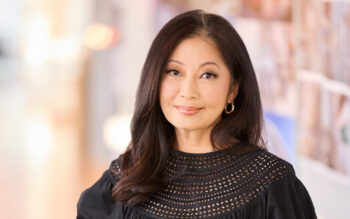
(189, 88)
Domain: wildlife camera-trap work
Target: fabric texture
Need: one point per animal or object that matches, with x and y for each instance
(253, 185)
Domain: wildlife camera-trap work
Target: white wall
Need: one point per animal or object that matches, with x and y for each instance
(330, 191)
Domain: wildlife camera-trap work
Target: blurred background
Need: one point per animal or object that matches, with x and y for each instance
(69, 72)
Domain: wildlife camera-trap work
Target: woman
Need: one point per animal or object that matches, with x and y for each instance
(196, 148)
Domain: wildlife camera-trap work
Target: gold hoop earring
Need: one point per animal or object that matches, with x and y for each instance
(232, 108)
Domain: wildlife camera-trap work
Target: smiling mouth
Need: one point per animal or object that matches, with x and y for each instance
(188, 110)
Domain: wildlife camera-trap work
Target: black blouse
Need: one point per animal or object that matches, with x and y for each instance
(254, 185)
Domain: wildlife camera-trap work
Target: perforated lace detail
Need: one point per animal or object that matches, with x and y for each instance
(212, 184)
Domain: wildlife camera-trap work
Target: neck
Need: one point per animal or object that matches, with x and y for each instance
(193, 141)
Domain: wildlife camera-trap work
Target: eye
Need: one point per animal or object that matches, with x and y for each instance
(172, 72)
(208, 75)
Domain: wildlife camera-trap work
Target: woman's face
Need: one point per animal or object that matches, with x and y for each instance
(195, 85)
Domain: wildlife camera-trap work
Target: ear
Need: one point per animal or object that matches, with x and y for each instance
(233, 92)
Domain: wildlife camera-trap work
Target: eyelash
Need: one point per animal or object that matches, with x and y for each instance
(208, 73)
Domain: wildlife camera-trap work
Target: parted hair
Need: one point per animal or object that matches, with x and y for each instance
(153, 137)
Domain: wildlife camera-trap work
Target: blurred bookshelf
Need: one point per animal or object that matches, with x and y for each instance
(322, 57)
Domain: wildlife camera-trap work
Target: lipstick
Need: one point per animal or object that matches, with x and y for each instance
(188, 110)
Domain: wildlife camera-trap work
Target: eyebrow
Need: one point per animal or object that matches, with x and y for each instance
(203, 64)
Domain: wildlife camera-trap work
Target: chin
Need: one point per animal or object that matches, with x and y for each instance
(189, 126)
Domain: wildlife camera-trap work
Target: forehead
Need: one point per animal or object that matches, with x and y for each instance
(197, 48)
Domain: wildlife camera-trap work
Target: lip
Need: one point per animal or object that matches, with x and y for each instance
(186, 110)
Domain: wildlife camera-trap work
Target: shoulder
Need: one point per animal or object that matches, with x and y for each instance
(115, 169)
(285, 194)
(261, 170)
(97, 200)
(267, 165)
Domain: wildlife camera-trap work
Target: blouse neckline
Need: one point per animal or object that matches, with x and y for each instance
(207, 154)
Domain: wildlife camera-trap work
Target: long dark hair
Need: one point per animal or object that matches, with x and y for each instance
(152, 136)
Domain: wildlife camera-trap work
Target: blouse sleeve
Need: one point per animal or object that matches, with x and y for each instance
(96, 201)
(289, 199)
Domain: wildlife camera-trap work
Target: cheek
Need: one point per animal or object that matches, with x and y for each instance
(167, 92)
(216, 95)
